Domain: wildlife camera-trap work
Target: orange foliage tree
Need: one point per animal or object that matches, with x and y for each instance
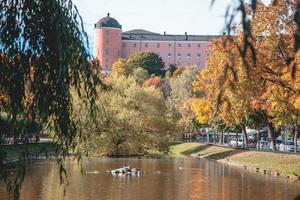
(259, 79)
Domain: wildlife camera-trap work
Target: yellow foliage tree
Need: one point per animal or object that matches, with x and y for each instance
(120, 68)
(202, 109)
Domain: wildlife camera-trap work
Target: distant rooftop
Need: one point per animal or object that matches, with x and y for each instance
(140, 34)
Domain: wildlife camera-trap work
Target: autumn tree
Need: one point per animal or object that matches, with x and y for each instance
(155, 81)
(123, 123)
(120, 68)
(241, 81)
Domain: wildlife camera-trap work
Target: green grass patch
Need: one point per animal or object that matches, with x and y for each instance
(284, 164)
(185, 148)
(213, 152)
(177, 150)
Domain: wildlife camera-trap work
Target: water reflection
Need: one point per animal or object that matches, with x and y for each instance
(182, 179)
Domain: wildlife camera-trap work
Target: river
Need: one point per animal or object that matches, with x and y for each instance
(160, 179)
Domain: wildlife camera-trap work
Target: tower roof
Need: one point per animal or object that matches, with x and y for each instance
(108, 22)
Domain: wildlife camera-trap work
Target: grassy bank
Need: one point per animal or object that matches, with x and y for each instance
(178, 150)
(13, 152)
(277, 164)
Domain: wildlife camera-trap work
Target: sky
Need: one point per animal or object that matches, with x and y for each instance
(173, 16)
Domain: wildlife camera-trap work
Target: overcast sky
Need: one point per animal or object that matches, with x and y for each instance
(172, 16)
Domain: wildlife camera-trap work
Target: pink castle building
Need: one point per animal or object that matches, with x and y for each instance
(111, 44)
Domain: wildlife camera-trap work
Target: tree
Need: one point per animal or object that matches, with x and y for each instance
(43, 54)
(155, 81)
(140, 74)
(246, 72)
(202, 109)
(123, 123)
(120, 68)
(180, 97)
(149, 61)
(182, 86)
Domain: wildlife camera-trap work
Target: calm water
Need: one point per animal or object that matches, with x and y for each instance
(160, 179)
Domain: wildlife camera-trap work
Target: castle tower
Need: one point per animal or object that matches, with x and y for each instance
(107, 38)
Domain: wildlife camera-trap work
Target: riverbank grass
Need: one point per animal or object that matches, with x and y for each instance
(178, 150)
(185, 149)
(278, 164)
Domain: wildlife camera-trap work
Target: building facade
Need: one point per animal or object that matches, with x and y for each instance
(111, 44)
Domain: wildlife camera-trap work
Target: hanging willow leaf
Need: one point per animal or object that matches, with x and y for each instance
(253, 5)
(44, 40)
(297, 34)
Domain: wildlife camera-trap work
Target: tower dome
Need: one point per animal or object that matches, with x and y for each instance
(108, 22)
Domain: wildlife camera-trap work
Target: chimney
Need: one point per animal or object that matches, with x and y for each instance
(164, 32)
(108, 14)
(186, 36)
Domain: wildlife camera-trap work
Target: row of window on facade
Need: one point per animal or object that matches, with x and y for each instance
(180, 64)
(179, 56)
(158, 45)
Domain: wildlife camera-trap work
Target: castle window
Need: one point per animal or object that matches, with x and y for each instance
(158, 45)
(179, 56)
(188, 56)
(179, 45)
(170, 44)
(106, 51)
(169, 55)
(198, 55)
(189, 45)
(146, 45)
(134, 45)
(199, 45)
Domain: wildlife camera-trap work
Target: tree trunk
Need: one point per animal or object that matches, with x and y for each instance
(207, 137)
(257, 139)
(245, 135)
(221, 138)
(295, 138)
(271, 132)
(214, 137)
(237, 140)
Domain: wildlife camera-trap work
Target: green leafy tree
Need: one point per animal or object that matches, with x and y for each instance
(150, 61)
(123, 123)
(140, 74)
(179, 100)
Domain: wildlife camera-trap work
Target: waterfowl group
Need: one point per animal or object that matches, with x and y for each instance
(126, 170)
